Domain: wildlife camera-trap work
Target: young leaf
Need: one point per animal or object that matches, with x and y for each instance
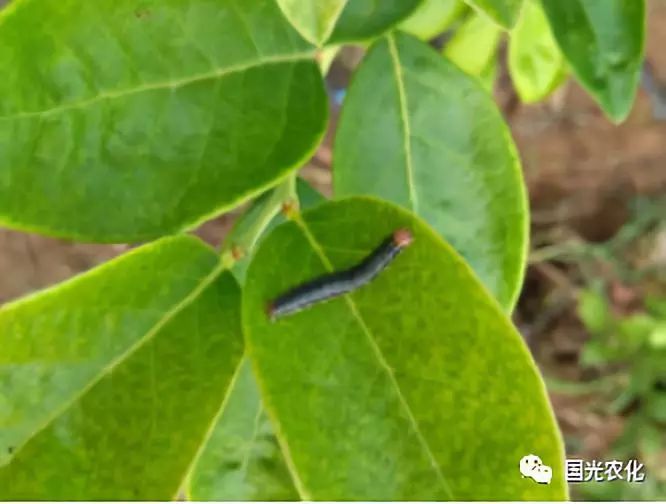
(124, 120)
(432, 17)
(364, 19)
(414, 387)
(536, 64)
(418, 131)
(242, 459)
(314, 19)
(473, 48)
(603, 42)
(503, 12)
(109, 382)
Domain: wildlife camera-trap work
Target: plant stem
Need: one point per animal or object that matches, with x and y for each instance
(251, 225)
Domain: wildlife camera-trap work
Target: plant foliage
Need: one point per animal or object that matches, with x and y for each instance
(158, 374)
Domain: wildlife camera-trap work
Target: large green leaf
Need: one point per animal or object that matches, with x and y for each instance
(364, 19)
(417, 131)
(536, 64)
(314, 19)
(124, 120)
(109, 382)
(473, 48)
(242, 459)
(432, 17)
(603, 41)
(414, 387)
(503, 12)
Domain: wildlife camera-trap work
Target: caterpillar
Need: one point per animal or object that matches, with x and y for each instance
(336, 284)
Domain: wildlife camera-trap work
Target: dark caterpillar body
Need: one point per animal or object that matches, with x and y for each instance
(336, 284)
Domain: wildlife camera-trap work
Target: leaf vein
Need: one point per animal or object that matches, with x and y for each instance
(406, 127)
(157, 86)
(186, 480)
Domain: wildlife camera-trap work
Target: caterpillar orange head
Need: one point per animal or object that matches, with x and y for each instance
(403, 237)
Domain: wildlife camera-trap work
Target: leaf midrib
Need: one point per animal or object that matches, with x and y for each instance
(404, 119)
(185, 483)
(216, 73)
(319, 251)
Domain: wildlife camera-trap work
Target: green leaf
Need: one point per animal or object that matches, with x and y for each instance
(124, 120)
(419, 132)
(365, 19)
(414, 387)
(603, 42)
(594, 311)
(108, 382)
(535, 62)
(242, 459)
(432, 17)
(473, 48)
(314, 19)
(634, 331)
(503, 12)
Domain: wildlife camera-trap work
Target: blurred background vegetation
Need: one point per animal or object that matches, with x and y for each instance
(593, 306)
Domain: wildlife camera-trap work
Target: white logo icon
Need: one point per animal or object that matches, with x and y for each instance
(532, 467)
